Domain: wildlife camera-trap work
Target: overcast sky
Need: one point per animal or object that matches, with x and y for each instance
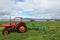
(30, 9)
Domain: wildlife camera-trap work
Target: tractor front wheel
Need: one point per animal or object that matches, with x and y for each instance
(5, 32)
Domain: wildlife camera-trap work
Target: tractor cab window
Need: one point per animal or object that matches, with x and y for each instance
(18, 20)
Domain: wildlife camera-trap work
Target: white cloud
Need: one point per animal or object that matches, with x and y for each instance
(20, 12)
(39, 8)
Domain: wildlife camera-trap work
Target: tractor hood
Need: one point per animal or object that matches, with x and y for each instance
(6, 25)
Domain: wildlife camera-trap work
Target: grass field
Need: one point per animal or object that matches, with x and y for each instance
(51, 32)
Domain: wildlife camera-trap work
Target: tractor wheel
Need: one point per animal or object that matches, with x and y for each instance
(5, 32)
(22, 29)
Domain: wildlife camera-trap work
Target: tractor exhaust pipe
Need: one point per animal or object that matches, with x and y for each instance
(10, 20)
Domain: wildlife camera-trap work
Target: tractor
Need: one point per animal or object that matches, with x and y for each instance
(12, 26)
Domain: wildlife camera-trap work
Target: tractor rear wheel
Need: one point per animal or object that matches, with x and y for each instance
(5, 32)
(22, 29)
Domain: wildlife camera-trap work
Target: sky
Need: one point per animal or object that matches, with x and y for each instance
(40, 9)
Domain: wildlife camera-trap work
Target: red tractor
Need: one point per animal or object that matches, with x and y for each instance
(12, 26)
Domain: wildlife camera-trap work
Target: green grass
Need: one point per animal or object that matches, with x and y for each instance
(52, 32)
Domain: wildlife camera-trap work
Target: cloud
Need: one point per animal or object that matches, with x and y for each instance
(30, 8)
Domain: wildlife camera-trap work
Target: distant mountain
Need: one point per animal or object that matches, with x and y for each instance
(38, 19)
(27, 18)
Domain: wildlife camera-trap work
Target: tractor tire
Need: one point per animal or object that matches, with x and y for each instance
(22, 29)
(5, 32)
